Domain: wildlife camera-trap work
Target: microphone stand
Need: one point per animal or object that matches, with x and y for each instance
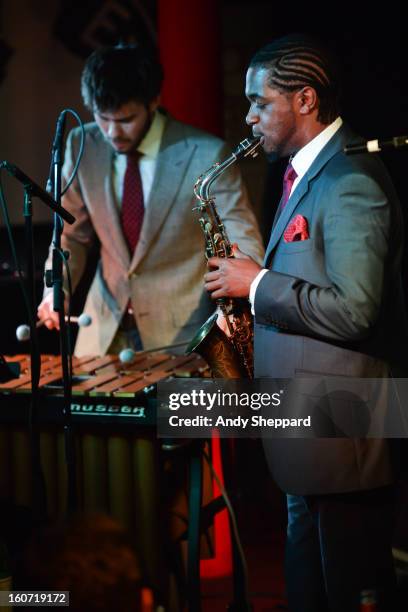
(31, 189)
(54, 279)
(39, 495)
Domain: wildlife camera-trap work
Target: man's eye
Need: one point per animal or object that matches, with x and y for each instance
(260, 105)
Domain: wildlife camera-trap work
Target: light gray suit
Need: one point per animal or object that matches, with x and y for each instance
(332, 305)
(164, 278)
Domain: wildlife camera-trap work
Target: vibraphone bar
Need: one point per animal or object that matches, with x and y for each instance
(104, 390)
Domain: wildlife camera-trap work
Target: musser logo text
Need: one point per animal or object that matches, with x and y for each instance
(108, 410)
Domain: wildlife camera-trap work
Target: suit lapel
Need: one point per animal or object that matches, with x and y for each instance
(335, 144)
(104, 163)
(116, 226)
(172, 163)
(301, 189)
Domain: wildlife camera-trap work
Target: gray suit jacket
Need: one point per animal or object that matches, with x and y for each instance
(333, 305)
(164, 278)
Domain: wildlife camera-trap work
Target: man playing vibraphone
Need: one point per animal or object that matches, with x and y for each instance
(134, 193)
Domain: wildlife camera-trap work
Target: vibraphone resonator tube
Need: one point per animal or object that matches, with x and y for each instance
(23, 331)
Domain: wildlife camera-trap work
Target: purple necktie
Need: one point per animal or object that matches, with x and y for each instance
(132, 203)
(288, 180)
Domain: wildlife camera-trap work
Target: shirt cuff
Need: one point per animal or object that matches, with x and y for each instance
(253, 288)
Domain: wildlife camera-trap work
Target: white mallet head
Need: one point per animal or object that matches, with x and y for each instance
(23, 333)
(127, 355)
(84, 320)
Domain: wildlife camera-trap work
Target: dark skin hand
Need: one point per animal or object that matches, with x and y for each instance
(231, 276)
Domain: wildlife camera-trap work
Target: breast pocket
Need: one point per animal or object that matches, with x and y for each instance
(298, 246)
(296, 258)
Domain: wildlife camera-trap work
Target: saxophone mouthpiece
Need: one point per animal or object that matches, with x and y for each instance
(249, 147)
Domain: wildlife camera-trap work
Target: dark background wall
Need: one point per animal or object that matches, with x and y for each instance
(42, 45)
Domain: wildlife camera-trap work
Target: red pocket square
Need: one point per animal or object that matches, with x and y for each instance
(297, 230)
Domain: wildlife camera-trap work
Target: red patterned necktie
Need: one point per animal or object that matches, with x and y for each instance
(288, 180)
(132, 202)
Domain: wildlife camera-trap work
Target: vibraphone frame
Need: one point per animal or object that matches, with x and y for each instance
(107, 395)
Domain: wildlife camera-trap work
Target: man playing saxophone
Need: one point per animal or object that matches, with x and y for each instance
(328, 301)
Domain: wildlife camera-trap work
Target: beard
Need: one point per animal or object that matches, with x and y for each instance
(146, 128)
(272, 157)
(133, 145)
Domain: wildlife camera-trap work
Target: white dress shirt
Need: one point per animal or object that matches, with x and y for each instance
(301, 163)
(149, 148)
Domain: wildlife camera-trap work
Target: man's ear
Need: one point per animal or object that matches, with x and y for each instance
(307, 100)
(153, 104)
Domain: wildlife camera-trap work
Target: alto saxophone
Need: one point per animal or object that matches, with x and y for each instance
(229, 356)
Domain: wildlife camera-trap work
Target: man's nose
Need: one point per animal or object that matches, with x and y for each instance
(251, 117)
(113, 129)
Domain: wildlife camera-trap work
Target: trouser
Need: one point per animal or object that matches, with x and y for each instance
(126, 337)
(338, 546)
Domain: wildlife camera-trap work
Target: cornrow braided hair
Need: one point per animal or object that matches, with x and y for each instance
(296, 61)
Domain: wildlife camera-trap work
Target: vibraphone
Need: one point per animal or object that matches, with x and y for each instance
(119, 459)
(104, 390)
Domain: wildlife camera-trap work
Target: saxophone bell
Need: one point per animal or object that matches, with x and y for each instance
(218, 351)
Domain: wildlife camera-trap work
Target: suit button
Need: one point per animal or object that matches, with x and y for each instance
(133, 275)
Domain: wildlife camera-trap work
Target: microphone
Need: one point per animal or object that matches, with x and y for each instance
(59, 133)
(57, 145)
(23, 331)
(375, 146)
(37, 191)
